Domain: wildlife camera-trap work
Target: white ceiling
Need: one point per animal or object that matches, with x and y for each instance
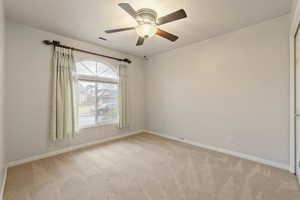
(87, 19)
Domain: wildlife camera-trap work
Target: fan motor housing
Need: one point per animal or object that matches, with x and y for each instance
(146, 16)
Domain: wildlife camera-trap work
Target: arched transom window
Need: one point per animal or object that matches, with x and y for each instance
(98, 90)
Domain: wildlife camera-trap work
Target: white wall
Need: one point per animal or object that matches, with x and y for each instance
(229, 92)
(28, 90)
(2, 150)
(293, 8)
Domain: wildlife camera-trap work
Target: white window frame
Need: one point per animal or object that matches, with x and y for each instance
(98, 79)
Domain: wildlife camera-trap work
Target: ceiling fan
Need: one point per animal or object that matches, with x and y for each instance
(148, 22)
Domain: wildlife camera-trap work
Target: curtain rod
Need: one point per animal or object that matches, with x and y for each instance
(57, 43)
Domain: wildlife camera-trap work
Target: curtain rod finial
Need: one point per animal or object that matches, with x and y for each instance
(47, 42)
(127, 60)
(54, 42)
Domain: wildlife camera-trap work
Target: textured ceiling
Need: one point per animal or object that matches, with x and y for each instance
(87, 19)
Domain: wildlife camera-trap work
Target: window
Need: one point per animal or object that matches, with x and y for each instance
(98, 91)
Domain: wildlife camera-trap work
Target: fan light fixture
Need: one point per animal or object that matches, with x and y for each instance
(148, 22)
(146, 30)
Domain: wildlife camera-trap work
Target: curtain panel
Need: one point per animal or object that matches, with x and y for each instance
(123, 97)
(64, 111)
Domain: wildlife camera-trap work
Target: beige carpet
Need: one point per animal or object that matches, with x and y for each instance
(147, 167)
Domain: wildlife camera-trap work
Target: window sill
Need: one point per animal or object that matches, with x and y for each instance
(107, 123)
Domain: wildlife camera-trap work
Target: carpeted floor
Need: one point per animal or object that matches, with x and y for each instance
(147, 167)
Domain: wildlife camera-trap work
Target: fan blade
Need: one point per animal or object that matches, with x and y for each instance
(166, 35)
(119, 30)
(128, 9)
(179, 14)
(140, 41)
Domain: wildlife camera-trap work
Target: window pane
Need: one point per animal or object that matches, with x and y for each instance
(105, 71)
(93, 68)
(107, 108)
(87, 103)
(86, 68)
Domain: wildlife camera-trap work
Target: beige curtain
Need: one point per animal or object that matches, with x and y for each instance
(123, 97)
(64, 112)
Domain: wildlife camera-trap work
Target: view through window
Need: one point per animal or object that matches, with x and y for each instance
(98, 92)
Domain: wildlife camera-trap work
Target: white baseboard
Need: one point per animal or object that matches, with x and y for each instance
(68, 149)
(3, 184)
(72, 148)
(236, 154)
